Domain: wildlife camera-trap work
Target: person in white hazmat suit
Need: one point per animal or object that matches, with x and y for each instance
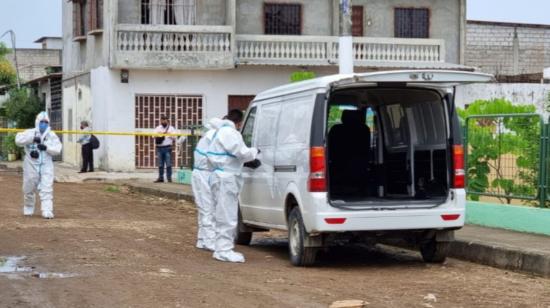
(227, 154)
(40, 145)
(206, 235)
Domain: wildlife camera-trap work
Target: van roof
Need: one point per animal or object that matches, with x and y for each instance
(445, 77)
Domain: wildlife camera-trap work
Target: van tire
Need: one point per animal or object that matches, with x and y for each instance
(243, 237)
(434, 251)
(297, 235)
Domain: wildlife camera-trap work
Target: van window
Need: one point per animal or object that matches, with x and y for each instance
(295, 122)
(429, 123)
(248, 128)
(267, 127)
(335, 114)
(398, 130)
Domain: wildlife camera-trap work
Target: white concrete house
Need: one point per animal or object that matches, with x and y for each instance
(126, 62)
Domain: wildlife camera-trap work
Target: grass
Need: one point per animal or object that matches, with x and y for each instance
(112, 189)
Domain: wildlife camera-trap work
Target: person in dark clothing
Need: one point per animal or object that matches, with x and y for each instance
(87, 149)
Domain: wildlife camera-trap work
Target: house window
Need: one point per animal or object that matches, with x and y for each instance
(357, 20)
(168, 12)
(412, 23)
(80, 25)
(96, 14)
(282, 18)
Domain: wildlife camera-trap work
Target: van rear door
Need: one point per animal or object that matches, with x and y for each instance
(417, 77)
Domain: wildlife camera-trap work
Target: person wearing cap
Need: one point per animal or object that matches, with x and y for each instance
(164, 149)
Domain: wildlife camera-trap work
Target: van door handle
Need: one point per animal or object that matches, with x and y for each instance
(284, 168)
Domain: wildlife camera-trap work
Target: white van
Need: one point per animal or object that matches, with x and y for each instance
(370, 156)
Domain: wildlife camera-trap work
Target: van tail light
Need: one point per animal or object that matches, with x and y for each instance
(450, 217)
(317, 175)
(459, 174)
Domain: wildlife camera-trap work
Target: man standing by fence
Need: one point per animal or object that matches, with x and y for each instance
(164, 149)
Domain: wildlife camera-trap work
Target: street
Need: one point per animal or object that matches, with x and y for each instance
(108, 247)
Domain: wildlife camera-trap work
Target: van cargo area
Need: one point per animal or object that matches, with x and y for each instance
(388, 147)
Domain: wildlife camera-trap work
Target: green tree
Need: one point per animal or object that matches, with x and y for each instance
(503, 152)
(22, 107)
(7, 71)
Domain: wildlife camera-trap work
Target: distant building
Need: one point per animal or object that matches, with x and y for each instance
(127, 62)
(32, 62)
(513, 52)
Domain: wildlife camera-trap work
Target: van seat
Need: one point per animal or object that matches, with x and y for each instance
(349, 153)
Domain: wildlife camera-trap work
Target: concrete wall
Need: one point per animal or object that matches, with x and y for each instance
(445, 20)
(508, 49)
(316, 16)
(32, 63)
(77, 106)
(114, 102)
(517, 93)
(71, 49)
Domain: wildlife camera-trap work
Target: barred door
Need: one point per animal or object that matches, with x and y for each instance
(183, 111)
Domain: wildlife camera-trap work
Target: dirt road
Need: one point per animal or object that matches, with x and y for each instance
(110, 248)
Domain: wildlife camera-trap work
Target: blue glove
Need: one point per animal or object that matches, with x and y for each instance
(42, 147)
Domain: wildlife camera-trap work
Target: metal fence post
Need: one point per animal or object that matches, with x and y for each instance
(542, 163)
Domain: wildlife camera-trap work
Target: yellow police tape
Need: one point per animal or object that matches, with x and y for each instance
(79, 132)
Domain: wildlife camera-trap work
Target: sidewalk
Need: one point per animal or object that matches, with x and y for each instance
(65, 173)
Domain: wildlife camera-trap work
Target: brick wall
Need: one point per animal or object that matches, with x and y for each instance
(33, 62)
(507, 49)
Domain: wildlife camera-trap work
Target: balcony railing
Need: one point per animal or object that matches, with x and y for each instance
(176, 46)
(323, 50)
(216, 47)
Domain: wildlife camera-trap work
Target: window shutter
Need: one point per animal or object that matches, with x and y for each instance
(76, 19)
(282, 18)
(357, 20)
(412, 23)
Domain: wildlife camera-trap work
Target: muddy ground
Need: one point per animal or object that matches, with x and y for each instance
(120, 249)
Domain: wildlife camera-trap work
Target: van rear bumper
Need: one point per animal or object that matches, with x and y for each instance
(326, 218)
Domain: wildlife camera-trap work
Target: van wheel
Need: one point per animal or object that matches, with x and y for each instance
(299, 255)
(243, 237)
(434, 252)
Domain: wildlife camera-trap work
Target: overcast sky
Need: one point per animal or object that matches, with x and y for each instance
(31, 19)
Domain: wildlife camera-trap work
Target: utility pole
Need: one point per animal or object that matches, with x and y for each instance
(12, 35)
(345, 46)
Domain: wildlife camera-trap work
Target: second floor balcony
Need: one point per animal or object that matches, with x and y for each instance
(173, 46)
(217, 47)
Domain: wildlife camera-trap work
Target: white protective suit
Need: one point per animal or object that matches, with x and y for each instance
(38, 174)
(227, 154)
(206, 235)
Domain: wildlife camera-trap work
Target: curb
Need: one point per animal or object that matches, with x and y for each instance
(159, 193)
(501, 257)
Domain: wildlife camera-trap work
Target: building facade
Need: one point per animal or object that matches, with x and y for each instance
(127, 62)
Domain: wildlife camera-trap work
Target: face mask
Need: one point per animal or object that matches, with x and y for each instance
(42, 126)
(164, 124)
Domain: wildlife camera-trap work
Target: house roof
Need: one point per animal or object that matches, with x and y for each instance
(508, 24)
(40, 40)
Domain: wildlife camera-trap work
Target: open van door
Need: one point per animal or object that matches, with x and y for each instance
(427, 77)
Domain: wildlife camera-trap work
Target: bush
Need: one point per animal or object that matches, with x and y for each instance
(300, 76)
(9, 146)
(22, 108)
(503, 152)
